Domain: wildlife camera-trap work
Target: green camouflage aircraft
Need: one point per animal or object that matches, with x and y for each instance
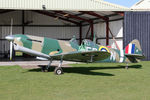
(88, 51)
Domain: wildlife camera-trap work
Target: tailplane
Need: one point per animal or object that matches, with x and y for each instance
(133, 51)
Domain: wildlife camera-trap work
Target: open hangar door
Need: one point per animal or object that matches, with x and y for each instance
(62, 25)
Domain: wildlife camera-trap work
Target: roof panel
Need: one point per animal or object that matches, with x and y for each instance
(141, 5)
(73, 5)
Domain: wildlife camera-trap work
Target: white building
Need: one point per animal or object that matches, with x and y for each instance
(142, 5)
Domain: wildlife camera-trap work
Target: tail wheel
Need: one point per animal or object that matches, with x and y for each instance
(58, 71)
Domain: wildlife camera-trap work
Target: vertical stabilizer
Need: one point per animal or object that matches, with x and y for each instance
(133, 48)
(133, 51)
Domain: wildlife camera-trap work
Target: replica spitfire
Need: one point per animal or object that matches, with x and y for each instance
(88, 51)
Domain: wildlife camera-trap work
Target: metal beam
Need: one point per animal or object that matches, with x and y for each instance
(114, 39)
(20, 25)
(79, 14)
(111, 15)
(23, 21)
(95, 14)
(54, 16)
(73, 16)
(107, 32)
(119, 13)
(6, 11)
(80, 30)
(88, 32)
(104, 21)
(109, 38)
(92, 31)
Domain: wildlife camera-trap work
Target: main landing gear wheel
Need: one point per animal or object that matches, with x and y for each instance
(126, 67)
(58, 71)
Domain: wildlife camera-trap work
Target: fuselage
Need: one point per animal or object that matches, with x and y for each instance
(116, 55)
(49, 46)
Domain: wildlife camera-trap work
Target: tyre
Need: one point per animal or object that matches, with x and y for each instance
(58, 71)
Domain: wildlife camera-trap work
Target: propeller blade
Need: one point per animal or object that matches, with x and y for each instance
(11, 50)
(11, 43)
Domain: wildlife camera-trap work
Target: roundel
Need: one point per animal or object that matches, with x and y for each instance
(103, 48)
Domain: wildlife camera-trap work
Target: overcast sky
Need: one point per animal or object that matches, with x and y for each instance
(126, 3)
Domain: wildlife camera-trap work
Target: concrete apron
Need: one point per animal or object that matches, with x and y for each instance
(35, 64)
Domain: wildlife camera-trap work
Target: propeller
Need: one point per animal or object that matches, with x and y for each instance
(11, 43)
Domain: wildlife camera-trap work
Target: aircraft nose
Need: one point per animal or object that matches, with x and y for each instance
(9, 37)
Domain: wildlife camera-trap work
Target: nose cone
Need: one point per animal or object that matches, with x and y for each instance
(9, 37)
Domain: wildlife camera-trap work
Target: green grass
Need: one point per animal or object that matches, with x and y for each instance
(100, 81)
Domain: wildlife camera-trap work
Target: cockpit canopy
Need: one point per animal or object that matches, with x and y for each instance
(88, 43)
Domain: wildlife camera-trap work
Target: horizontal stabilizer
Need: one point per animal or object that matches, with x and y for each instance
(134, 58)
(137, 56)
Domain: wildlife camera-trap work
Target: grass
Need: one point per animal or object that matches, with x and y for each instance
(98, 81)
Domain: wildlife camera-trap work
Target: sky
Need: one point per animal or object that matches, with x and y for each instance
(126, 3)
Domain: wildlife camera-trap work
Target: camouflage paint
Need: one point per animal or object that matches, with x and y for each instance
(37, 45)
(66, 46)
(23, 38)
(50, 45)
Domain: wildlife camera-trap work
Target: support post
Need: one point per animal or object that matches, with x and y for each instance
(23, 22)
(80, 30)
(107, 32)
(92, 31)
(88, 31)
(55, 16)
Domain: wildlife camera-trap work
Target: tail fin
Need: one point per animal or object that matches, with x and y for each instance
(133, 51)
(133, 48)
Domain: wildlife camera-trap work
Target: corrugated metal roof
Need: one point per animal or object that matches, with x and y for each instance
(74, 5)
(141, 5)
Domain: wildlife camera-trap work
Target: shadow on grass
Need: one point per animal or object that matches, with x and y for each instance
(121, 67)
(87, 70)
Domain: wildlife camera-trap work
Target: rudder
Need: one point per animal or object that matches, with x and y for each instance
(133, 48)
(133, 51)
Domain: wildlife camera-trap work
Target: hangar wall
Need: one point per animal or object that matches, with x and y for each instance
(116, 28)
(38, 24)
(137, 26)
(41, 25)
(53, 32)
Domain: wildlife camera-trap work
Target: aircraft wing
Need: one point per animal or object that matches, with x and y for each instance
(137, 56)
(83, 56)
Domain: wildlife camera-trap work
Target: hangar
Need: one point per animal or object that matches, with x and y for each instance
(61, 19)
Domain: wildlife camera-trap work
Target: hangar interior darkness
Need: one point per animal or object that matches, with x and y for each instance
(62, 25)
